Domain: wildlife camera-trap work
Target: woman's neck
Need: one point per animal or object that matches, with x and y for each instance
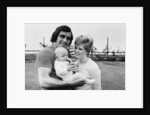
(83, 60)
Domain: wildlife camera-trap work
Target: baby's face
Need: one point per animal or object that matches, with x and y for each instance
(63, 57)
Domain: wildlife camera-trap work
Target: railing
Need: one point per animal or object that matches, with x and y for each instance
(109, 56)
(31, 51)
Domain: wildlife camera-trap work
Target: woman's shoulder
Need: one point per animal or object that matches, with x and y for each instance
(92, 64)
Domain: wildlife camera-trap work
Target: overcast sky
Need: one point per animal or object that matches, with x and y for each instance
(116, 32)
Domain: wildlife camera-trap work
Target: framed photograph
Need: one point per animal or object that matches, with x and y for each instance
(108, 52)
(113, 28)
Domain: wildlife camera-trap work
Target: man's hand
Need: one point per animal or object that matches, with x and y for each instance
(77, 83)
(72, 51)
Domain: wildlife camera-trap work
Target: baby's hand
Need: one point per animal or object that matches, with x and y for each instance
(72, 67)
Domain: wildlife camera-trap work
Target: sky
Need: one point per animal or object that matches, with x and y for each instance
(115, 32)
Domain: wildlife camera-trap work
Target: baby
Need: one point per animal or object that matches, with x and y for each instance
(61, 67)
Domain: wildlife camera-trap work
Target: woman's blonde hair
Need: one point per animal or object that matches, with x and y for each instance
(86, 40)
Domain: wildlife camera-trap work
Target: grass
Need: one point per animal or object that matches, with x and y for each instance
(112, 73)
(31, 78)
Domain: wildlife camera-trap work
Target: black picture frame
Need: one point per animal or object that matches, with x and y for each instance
(33, 3)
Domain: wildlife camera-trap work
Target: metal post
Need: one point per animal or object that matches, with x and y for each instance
(107, 47)
(43, 40)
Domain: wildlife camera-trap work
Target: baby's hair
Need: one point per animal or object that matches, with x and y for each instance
(60, 50)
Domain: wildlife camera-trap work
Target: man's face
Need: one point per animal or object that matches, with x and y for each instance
(63, 39)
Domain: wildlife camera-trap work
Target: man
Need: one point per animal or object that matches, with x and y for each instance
(45, 61)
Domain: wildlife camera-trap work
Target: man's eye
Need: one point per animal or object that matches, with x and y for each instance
(62, 36)
(68, 38)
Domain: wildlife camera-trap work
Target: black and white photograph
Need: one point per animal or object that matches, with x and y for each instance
(74, 57)
(98, 50)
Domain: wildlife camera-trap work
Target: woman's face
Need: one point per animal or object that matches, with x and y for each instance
(80, 51)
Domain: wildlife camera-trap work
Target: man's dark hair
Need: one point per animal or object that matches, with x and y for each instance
(63, 28)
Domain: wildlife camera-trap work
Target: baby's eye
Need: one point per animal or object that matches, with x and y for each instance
(80, 49)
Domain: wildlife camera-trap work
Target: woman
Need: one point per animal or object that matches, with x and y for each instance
(83, 46)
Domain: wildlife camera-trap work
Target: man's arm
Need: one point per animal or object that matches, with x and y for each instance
(49, 82)
(75, 84)
(52, 83)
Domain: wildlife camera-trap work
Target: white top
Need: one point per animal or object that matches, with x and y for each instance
(61, 69)
(91, 70)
